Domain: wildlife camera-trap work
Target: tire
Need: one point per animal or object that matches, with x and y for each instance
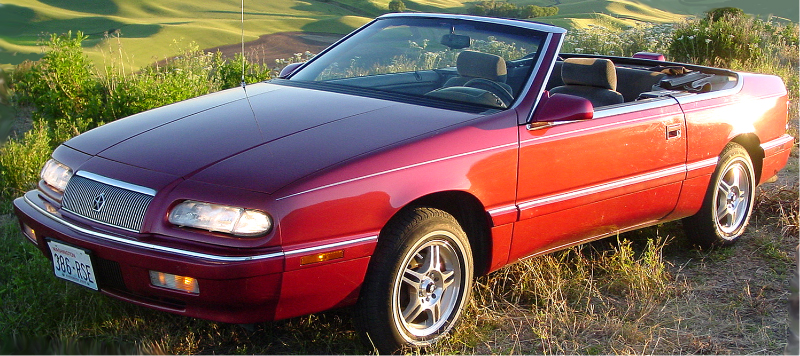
(418, 281)
(728, 202)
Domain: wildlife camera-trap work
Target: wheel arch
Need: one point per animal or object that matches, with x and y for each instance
(752, 144)
(470, 213)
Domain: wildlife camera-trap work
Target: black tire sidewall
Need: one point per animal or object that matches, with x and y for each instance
(703, 228)
(742, 158)
(375, 316)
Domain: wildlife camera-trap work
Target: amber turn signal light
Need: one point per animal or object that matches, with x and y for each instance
(171, 281)
(29, 233)
(321, 257)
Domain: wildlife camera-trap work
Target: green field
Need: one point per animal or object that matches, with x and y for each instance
(149, 29)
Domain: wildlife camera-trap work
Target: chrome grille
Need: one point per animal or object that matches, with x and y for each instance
(107, 201)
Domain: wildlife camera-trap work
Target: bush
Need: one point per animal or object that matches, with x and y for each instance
(723, 38)
(506, 9)
(62, 84)
(723, 12)
(68, 96)
(20, 162)
(397, 6)
(608, 40)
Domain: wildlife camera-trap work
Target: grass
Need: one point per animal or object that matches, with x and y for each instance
(642, 292)
(149, 27)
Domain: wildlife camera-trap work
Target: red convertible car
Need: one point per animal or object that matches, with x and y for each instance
(387, 172)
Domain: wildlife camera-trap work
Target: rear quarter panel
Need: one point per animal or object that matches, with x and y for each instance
(752, 113)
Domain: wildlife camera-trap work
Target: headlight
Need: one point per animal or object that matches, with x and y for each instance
(56, 175)
(220, 218)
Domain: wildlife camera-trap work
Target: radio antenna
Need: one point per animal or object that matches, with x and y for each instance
(243, 60)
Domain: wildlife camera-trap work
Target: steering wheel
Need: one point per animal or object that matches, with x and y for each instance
(492, 87)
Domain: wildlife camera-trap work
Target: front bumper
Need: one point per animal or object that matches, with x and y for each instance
(233, 288)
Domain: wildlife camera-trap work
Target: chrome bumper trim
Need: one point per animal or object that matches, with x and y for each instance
(216, 258)
(332, 245)
(149, 246)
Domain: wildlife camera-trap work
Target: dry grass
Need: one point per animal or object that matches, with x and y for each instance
(646, 292)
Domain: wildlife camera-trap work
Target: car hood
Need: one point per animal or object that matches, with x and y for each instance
(261, 137)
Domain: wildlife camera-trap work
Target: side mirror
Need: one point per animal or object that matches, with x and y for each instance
(563, 107)
(286, 71)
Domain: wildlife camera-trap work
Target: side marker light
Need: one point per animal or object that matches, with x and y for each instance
(321, 257)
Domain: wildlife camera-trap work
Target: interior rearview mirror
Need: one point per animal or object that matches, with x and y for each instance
(454, 41)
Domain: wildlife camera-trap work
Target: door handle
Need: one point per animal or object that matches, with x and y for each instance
(673, 131)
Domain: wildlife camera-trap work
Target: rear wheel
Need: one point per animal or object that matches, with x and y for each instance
(418, 282)
(728, 202)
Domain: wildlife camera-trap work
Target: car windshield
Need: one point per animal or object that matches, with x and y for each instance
(456, 60)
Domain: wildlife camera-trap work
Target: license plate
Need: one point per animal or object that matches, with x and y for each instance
(72, 264)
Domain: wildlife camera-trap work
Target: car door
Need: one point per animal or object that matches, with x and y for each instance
(587, 179)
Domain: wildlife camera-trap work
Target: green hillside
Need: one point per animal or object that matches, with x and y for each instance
(149, 29)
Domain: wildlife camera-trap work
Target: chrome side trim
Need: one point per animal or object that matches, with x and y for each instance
(513, 144)
(598, 127)
(702, 164)
(777, 142)
(502, 209)
(117, 183)
(603, 187)
(332, 245)
(635, 106)
(153, 247)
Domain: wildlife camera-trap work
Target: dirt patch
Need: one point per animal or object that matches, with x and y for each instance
(267, 48)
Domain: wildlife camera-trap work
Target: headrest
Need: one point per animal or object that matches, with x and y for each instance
(481, 65)
(595, 72)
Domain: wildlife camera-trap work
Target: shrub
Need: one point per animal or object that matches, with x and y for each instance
(69, 96)
(61, 85)
(21, 160)
(397, 6)
(68, 92)
(506, 9)
(721, 39)
(723, 12)
(228, 73)
(606, 39)
(182, 77)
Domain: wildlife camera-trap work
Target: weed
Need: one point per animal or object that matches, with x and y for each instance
(779, 204)
(561, 302)
(61, 84)
(607, 39)
(613, 296)
(732, 37)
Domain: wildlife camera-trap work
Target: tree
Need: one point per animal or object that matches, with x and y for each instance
(506, 9)
(397, 6)
(724, 12)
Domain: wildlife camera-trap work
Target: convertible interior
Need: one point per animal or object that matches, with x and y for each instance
(488, 80)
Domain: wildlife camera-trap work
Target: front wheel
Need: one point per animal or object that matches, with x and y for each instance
(728, 202)
(418, 282)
